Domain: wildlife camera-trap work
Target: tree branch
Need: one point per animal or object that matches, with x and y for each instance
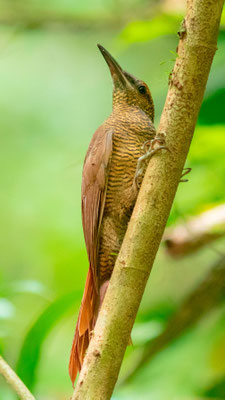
(202, 300)
(36, 18)
(196, 49)
(32, 15)
(199, 231)
(14, 381)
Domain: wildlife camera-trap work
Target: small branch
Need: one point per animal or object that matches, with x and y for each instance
(14, 381)
(203, 299)
(37, 19)
(196, 233)
(111, 335)
(33, 16)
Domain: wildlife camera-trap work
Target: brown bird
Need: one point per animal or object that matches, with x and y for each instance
(112, 173)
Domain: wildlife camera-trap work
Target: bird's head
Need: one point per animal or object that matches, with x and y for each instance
(128, 89)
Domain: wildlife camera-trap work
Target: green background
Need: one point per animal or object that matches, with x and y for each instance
(55, 90)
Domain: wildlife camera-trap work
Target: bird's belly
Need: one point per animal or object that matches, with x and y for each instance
(120, 193)
(120, 199)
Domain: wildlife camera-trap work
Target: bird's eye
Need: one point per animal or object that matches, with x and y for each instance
(142, 89)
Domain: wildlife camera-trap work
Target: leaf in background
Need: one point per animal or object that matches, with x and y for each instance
(216, 391)
(212, 110)
(150, 323)
(7, 309)
(208, 142)
(31, 349)
(142, 333)
(222, 21)
(160, 313)
(24, 286)
(141, 31)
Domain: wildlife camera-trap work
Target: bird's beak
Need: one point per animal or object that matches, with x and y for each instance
(118, 76)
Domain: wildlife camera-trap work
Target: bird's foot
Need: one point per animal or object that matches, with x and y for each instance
(186, 171)
(91, 334)
(150, 150)
(149, 145)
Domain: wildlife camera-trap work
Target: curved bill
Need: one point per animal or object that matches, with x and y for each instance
(118, 76)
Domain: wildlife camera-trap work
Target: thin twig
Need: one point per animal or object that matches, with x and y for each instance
(195, 233)
(14, 381)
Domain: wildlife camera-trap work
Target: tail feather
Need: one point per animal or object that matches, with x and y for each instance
(85, 324)
(87, 306)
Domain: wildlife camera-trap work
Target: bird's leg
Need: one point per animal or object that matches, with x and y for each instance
(91, 334)
(150, 150)
(186, 171)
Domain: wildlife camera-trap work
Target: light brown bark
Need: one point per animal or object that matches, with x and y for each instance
(198, 39)
(14, 381)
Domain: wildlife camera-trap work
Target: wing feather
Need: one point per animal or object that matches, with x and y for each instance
(94, 186)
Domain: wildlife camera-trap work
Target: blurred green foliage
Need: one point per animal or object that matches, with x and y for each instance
(141, 31)
(31, 348)
(55, 91)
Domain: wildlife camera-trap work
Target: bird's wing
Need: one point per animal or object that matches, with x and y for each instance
(94, 186)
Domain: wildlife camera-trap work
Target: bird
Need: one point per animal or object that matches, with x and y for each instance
(113, 170)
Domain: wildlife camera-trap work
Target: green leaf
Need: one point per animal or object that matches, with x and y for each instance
(7, 309)
(222, 21)
(208, 145)
(141, 31)
(161, 313)
(143, 332)
(212, 109)
(24, 286)
(31, 349)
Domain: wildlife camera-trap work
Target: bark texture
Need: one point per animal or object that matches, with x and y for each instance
(197, 46)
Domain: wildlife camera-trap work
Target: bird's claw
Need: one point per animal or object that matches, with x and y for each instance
(150, 150)
(187, 171)
(160, 139)
(91, 334)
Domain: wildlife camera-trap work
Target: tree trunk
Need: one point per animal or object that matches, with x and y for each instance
(197, 46)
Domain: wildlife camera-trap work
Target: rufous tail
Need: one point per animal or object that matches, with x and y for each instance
(85, 325)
